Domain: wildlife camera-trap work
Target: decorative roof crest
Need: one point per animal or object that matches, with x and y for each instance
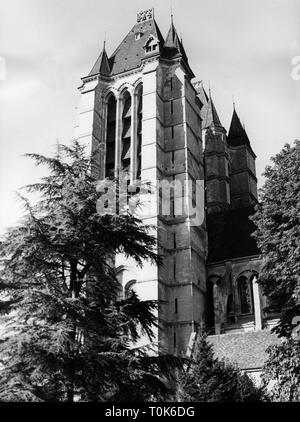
(145, 15)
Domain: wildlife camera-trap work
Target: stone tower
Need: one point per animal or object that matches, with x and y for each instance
(140, 107)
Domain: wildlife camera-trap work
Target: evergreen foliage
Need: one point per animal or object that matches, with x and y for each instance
(209, 379)
(70, 334)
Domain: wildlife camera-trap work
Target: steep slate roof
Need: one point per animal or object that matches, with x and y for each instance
(229, 234)
(237, 135)
(102, 65)
(130, 52)
(247, 350)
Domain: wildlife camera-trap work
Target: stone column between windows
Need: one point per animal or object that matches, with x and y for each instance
(119, 110)
(133, 138)
(217, 308)
(257, 304)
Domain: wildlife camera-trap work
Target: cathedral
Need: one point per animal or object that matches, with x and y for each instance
(145, 112)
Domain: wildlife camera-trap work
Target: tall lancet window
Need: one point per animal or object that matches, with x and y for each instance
(245, 295)
(126, 132)
(110, 137)
(139, 131)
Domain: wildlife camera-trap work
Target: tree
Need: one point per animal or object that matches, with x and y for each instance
(70, 336)
(208, 379)
(281, 371)
(277, 219)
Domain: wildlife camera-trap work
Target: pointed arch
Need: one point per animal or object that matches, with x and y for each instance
(110, 144)
(138, 134)
(245, 293)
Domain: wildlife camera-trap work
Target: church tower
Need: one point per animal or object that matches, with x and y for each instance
(141, 110)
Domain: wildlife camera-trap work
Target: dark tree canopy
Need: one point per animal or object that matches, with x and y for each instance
(281, 371)
(70, 335)
(278, 232)
(208, 379)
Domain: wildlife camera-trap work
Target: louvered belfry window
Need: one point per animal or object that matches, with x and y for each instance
(126, 132)
(110, 137)
(139, 132)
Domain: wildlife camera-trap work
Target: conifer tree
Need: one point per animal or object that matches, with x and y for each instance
(70, 335)
(208, 379)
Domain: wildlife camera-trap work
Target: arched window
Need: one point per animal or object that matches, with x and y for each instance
(126, 132)
(110, 137)
(245, 295)
(139, 131)
(129, 287)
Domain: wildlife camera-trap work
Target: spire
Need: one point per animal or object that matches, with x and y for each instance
(237, 135)
(173, 46)
(172, 41)
(210, 115)
(102, 65)
(172, 16)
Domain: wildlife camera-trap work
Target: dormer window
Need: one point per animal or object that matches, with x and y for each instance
(151, 44)
(138, 35)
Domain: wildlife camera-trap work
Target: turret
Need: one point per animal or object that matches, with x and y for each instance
(101, 67)
(216, 156)
(243, 182)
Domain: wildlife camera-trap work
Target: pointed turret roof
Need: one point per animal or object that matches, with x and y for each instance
(102, 65)
(173, 46)
(211, 116)
(209, 113)
(237, 135)
(172, 42)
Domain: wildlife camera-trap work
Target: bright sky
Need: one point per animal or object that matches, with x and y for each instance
(241, 47)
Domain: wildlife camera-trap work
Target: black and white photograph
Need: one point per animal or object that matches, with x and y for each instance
(150, 204)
